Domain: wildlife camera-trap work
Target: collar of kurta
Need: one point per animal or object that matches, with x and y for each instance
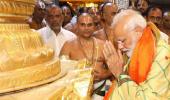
(50, 31)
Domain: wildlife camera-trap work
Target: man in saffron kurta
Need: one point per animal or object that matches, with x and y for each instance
(147, 74)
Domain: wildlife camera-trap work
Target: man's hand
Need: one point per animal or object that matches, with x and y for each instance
(102, 75)
(114, 59)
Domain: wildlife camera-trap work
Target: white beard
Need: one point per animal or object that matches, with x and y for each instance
(129, 51)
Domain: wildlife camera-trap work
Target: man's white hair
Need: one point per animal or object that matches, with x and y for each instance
(135, 19)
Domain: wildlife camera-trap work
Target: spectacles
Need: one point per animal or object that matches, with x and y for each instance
(156, 18)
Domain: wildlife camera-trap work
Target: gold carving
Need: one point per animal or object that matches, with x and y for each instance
(22, 78)
(24, 59)
(79, 87)
(20, 47)
(16, 9)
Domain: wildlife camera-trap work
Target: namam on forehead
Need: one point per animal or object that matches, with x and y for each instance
(65, 8)
(93, 10)
(85, 18)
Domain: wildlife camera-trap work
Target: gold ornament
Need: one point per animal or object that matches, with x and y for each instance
(24, 59)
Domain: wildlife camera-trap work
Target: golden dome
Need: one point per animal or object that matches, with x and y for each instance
(16, 10)
(24, 60)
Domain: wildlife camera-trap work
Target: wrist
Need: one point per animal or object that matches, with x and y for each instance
(122, 78)
(116, 74)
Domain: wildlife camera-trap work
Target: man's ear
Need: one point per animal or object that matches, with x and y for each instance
(62, 18)
(139, 31)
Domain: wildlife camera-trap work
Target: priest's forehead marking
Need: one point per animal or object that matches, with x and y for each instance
(86, 19)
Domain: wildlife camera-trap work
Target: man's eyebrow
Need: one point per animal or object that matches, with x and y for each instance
(54, 14)
(86, 23)
(121, 39)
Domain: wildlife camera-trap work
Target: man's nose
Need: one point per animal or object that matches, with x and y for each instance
(86, 27)
(55, 21)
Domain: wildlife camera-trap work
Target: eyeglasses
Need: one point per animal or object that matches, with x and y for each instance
(156, 18)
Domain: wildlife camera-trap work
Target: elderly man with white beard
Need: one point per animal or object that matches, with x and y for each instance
(146, 76)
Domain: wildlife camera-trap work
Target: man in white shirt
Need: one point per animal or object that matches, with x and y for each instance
(53, 34)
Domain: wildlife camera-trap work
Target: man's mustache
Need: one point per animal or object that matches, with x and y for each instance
(55, 24)
(125, 50)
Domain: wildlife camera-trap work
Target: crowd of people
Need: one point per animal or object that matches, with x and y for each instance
(128, 48)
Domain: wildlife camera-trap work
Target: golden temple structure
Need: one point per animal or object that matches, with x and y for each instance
(28, 68)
